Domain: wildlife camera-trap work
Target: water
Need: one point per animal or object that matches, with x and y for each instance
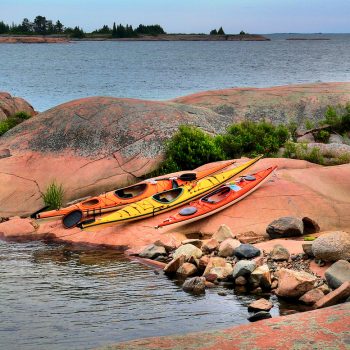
(56, 297)
(49, 74)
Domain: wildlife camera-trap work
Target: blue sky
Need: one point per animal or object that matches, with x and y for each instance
(190, 16)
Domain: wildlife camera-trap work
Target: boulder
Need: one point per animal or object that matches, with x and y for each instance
(293, 284)
(279, 253)
(243, 268)
(246, 251)
(307, 248)
(188, 250)
(222, 273)
(338, 273)
(186, 270)
(10, 105)
(260, 315)
(260, 305)
(196, 242)
(210, 245)
(330, 150)
(307, 138)
(312, 296)
(174, 264)
(261, 276)
(203, 262)
(213, 263)
(228, 246)
(335, 297)
(287, 226)
(223, 233)
(195, 285)
(332, 246)
(335, 138)
(240, 281)
(152, 251)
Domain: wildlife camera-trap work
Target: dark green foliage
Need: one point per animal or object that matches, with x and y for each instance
(4, 28)
(213, 32)
(249, 138)
(292, 126)
(322, 136)
(104, 30)
(221, 31)
(76, 32)
(242, 32)
(189, 148)
(301, 151)
(114, 31)
(53, 196)
(11, 122)
(154, 29)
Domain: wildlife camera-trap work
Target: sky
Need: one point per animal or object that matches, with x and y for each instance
(190, 16)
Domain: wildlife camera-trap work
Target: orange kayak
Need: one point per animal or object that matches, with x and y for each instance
(113, 200)
(220, 199)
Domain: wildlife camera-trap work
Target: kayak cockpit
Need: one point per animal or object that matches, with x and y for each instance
(168, 196)
(131, 191)
(217, 196)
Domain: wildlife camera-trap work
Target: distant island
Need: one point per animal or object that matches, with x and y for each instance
(42, 30)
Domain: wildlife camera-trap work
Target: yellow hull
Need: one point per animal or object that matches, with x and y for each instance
(161, 202)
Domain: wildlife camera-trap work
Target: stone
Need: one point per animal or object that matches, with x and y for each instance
(169, 243)
(261, 315)
(174, 264)
(228, 246)
(307, 248)
(246, 251)
(260, 305)
(243, 268)
(335, 297)
(210, 284)
(338, 273)
(307, 138)
(293, 284)
(332, 246)
(193, 261)
(188, 250)
(213, 263)
(250, 237)
(257, 290)
(211, 277)
(152, 251)
(324, 288)
(195, 285)
(335, 138)
(222, 272)
(223, 233)
(274, 284)
(279, 253)
(203, 262)
(287, 226)
(312, 296)
(186, 269)
(240, 281)
(210, 245)
(261, 276)
(196, 242)
(240, 289)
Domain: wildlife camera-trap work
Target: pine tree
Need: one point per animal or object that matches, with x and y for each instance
(221, 31)
(114, 31)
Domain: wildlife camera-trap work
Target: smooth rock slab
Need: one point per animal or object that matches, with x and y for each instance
(338, 273)
(246, 251)
(293, 284)
(332, 246)
(287, 226)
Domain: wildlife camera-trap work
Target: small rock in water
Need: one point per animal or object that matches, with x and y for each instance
(195, 285)
(279, 253)
(240, 281)
(174, 265)
(223, 294)
(260, 305)
(261, 315)
(246, 251)
(312, 296)
(152, 251)
(186, 270)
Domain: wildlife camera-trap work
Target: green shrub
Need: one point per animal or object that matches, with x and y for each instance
(292, 127)
(189, 148)
(309, 124)
(53, 196)
(322, 136)
(12, 121)
(301, 151)
(251, 139)
(4, 127)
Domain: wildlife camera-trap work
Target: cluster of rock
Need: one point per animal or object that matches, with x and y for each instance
(223, 258)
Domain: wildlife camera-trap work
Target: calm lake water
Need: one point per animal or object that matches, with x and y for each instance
(56, 297)
(49, 74)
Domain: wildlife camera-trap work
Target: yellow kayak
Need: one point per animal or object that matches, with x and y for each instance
(168, 200)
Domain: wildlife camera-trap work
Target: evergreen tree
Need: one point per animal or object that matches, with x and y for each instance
(114, 31)
(58, 27)
(213, 32)
(221, 31)
(40, 25)
(4, 28)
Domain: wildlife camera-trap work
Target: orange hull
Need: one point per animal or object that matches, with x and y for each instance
(219, 199)
(113, 200)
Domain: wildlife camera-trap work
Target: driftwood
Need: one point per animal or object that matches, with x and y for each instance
(311, 131)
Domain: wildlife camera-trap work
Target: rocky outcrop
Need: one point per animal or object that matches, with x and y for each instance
(9, 105)
(15, 39)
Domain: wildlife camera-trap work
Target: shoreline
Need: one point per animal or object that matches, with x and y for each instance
(45, 39)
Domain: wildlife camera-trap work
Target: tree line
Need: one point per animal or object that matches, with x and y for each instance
(43, 26)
